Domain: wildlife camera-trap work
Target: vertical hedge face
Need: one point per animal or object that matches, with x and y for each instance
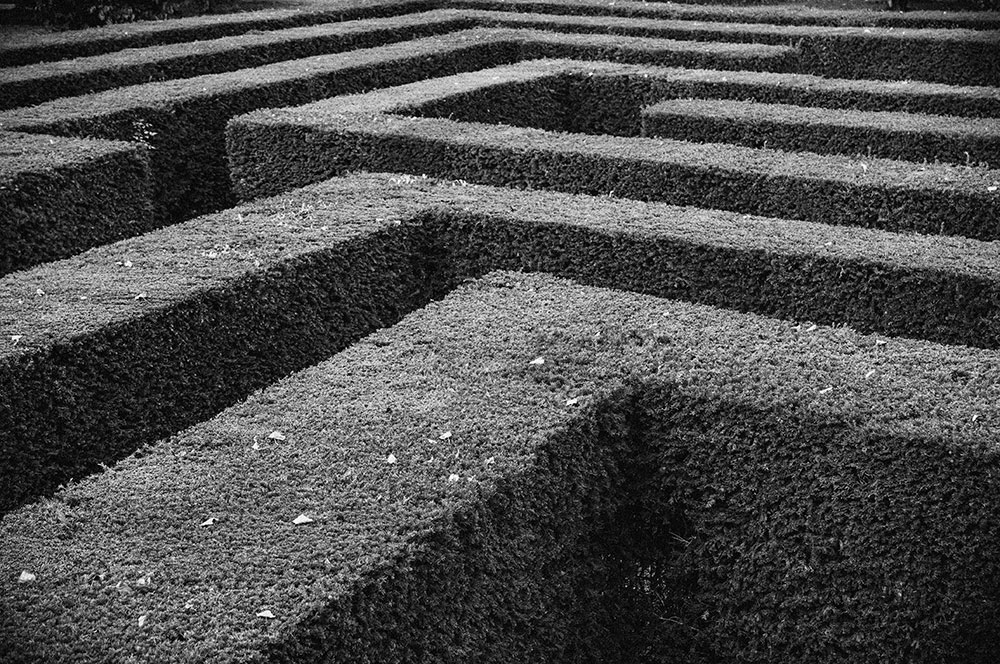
(527, 469)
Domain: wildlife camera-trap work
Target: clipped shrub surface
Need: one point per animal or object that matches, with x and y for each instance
(151, 334)
(947, 56)
(183, 121)
(80, 43)
(59, 196)
(770, 13)
(808, 521)
(274, 150)
(883, 134)
(35, 84)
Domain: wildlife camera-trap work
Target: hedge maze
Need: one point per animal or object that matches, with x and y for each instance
(520, 330)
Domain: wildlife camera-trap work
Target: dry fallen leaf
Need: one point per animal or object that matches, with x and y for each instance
(26, 577)
(812, 328)
(276, 435)
(301, 519)
(573, 401)
(445, 436)
(538, 360)
(209, 521)
(490, 460)
(391, 458)
(453, 477)
(265, 614)
(826, 390)
(142, 620)
(870, 374)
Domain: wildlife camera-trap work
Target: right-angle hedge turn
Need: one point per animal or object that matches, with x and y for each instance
(557, 469)
(277, 149)
(527, 469)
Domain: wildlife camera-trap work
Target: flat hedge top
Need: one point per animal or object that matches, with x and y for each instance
(379, 112)
(776, 14)
(165, 52)
(462, 394)
(31, 153)
(165, 94)
(740, 30)
(896, 121)
(197, 27)
(110, 285)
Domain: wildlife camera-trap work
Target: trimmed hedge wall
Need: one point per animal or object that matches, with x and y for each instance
(133, 341)
(183, 121)
(770, 13)
(39, 83)
(889, 135)
(278, 149)
(94, 41)
(59, 196)
(561, 486)
(153, 333)
(946, 56)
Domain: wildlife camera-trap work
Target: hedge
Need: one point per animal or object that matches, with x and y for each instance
(154, 333)
(890, 135)
(43, 82)
(773, 14)
(277, 149)
(59, 196)
(183, 121)
(94, 41)
(538, 509)
(947, 56)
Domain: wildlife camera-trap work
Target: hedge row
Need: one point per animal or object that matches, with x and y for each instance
(43, 82)
(936, 55)
(773, 14)
(400, 562)
(59, 196)
(183, 121)
(129, 342)
(278, 149)
(94, 41)
(890, 135)
(154, 333)
(80, 43)
(552, 510)
(584, 105)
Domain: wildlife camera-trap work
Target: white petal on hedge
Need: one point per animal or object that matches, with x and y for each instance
(142, 620)
(453, 477)
(276, 435)
(538, 360)
(301, 519)
(573, 401)
(391, 458)
(265, 614)
(26, 577)
(209, 521)
(445, 436)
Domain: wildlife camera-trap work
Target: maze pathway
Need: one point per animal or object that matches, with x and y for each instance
(479, 330)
